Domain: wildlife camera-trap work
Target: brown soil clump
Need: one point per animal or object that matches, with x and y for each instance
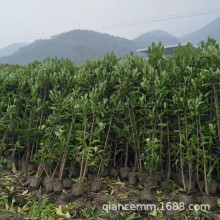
(132, 178)
(114, 173)
(96, 186)
(35, 182)
(124, 172)
(146, 196)
(166, 185)
(213, 188)
(209, 200)
(67, 183)
(57, 186)
(185, 199)
(78, 189)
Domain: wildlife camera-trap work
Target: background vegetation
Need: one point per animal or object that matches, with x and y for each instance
(156, 114)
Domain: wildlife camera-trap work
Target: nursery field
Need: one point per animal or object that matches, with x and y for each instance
(120, 131)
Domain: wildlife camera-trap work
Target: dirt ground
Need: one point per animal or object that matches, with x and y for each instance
(21, 197)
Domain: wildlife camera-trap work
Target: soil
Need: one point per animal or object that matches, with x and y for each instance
(105, 172)
(35, 182)
(166, 185)
(124, 172)
(31, 168)
(146, 196)
(96, 186)
(67, 183)
(101, 199)
(132, 178)
(210, 201)
(114, 173)
(91, 177)
(47, 183)
(57, 186)
(133, 188)
(78, 189)
(190, 185)
(213, 188)
(186, 199)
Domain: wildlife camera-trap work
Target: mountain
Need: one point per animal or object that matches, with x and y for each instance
(12, 48)
(210, 30)
(145, 40)
(78, 45)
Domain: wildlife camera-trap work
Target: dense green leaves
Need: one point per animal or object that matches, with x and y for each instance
(155, 114)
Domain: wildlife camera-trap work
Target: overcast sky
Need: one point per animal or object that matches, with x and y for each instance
(27, 20)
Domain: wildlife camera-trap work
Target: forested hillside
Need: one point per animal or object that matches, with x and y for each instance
(145, 40)
(77, 45)
(10, 49)
(210, 30)
(80, 45)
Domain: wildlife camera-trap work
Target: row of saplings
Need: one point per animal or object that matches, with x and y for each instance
(51, 183)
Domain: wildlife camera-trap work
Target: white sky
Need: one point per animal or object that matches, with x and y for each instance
(27, 20)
